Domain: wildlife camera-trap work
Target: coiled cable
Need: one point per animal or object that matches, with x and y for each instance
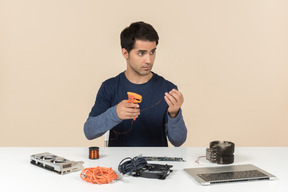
(99, 175)
(129, 165)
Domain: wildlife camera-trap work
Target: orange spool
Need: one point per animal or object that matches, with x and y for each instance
(93, 152)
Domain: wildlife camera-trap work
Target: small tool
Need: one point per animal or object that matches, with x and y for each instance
(134, 98)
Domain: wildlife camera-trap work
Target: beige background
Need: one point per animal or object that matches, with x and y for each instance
(229, 58)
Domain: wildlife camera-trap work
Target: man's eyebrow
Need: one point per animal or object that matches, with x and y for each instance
(154, 49)
(144, 51)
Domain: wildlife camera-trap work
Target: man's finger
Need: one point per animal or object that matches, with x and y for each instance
(168, 101)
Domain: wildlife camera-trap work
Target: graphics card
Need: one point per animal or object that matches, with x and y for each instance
(55, 163)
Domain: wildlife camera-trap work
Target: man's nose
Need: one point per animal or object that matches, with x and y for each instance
(148, 59)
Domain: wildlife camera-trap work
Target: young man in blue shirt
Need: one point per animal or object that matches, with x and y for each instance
(150, 122)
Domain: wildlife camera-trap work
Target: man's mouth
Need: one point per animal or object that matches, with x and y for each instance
(146, 67)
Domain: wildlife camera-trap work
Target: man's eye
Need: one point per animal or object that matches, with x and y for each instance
(152, 52)
(140, 53)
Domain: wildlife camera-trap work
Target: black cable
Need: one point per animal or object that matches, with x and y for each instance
(129, 165)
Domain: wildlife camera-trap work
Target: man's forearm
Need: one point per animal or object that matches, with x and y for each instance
(95, 127)
(176, 130)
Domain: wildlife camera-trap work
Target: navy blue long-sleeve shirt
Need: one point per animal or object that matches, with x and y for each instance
(153, 125)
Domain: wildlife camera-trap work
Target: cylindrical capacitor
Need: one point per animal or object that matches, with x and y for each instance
(93, 152)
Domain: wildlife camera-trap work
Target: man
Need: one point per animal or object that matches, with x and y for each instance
(150, 122)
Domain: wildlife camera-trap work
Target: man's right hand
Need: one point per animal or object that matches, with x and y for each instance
(127, 110)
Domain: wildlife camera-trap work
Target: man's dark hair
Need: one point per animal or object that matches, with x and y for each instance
(137, 31)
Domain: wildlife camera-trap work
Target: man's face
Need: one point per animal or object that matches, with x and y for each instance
(141, 58)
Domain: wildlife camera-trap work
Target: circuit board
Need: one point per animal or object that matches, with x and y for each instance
(151, 158)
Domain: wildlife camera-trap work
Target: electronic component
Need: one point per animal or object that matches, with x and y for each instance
(220, 152)
(150, 158)
(154, 171)
(55, 163)
(138, 167)
(93, 152)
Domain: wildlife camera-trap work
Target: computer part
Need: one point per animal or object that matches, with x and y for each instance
(226, 174)
(55, 163)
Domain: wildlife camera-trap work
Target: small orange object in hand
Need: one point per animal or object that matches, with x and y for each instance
(134, 98)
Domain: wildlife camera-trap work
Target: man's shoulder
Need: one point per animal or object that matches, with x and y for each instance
(113, 80)
(164, 81)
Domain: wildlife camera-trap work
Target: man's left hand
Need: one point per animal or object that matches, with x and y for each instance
(174, 100)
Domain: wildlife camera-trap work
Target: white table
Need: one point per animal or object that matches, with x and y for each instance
(17, 174)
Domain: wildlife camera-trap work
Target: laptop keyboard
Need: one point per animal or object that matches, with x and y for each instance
(235, 175)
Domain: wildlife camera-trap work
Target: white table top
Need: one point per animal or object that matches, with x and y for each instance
(17, 174)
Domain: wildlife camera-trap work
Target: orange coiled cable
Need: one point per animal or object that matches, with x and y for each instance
(99, 175)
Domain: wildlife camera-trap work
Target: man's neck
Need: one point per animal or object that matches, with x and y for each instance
(138, 79)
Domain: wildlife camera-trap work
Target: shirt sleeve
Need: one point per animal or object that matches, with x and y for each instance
(103, 116)
(176, 130)
(95, 127)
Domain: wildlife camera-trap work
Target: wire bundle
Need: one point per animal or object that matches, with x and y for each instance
(129, 165)
(99, 175)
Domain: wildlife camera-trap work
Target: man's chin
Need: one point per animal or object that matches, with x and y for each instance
(144, 73)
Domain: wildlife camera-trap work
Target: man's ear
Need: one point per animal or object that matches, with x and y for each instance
(125, 53)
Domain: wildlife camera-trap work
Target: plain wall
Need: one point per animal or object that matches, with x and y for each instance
(228, 57)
